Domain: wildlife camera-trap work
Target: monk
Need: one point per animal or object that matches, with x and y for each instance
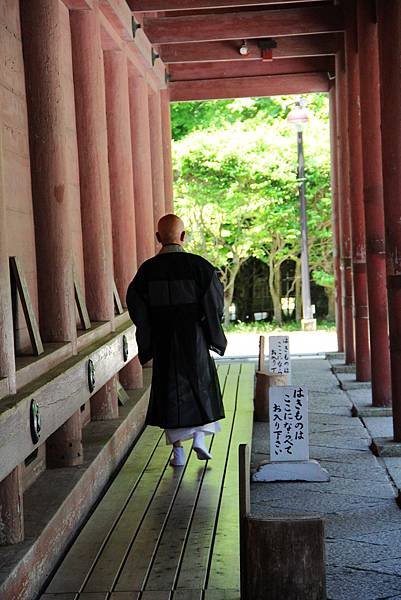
(176, 303)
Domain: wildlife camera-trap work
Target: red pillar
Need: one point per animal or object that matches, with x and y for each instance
(121, 189)
(140, 138)
(374, 208)
(344, 209)
(335, 219)
(90, 101)
(104, 403)
(7, 357)
(47, 101)
(389, 13)
(361, 315)
(168, 166)
(156, 150)
(64, 446)
(11, 508)
(93, 163)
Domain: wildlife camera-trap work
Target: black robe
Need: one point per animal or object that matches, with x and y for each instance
(176, 303)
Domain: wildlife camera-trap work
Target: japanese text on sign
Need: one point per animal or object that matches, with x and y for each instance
(289, 436)
(279, 354)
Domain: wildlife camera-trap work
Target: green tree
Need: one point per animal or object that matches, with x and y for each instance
(236, 187)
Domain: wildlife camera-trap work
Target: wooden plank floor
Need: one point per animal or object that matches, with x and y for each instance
(161, 533)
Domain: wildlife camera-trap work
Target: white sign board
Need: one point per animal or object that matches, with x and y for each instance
(279, 354)
(289, 434)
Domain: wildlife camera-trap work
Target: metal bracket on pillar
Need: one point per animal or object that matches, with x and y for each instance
(34, 418)
(91, 375)
(155, 56)
(135, 26)
(125, 348)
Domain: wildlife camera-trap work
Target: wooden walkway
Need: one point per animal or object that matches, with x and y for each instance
(162, 533)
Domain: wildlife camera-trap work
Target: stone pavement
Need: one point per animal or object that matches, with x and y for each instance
(363, 520)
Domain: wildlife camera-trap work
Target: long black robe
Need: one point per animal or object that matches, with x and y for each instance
(176, 303)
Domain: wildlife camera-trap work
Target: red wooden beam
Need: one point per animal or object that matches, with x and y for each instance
(167, 5)
(241, 87)
(237, 68)
(244, 25)
(287, 47)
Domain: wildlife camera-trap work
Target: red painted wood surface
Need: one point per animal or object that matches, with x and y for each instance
(390, 58)
(269, 85)
(360, 283)
(104, 403)
(239, 68)
(120, 170)
(168, 5)
(131, 376)
(335, 219)
(93, 163)
(168, 165)
(156, 151)
(243, 25)
(140, 139)
(11, 508)
(287, 47)
(64, 447)
(374, 207)
(47, 105)
(344, 210)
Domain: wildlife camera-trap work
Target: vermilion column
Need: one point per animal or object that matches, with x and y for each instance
(7, 357)
(361, 316)
(121, 188)
(335, 219)
(46, 63)
(11, 508)
(389, 13)
(156, 149)
(374, 208)
(168, 166)
(90, 102)
(93, 163)
(64, 446)
(42, 31)
(141, 157)
(344, 209)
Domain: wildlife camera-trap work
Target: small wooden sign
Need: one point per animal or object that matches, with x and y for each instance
(279, 354)
(289, 434)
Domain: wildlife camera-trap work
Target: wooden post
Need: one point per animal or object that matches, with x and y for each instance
(131, 376)
(140, 139)
(7, 357)
(389, 13)
(360, 283)
(45, 60)
(156, 148)
(11, 508)
(285, 558)
(264, 381)
(120, 169)
(374, 203)
(64, 446)
(104, 403)
(335, 219)
(261, 362)
(244, 460)
(93, 163)
(168, 166)
(344, 209)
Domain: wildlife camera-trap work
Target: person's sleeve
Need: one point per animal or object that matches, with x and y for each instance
(139, 313)
(213, 306)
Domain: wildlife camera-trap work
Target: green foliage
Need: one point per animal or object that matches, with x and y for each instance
(236, 186)
(266, 327)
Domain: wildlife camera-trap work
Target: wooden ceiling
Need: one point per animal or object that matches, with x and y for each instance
(199, 42)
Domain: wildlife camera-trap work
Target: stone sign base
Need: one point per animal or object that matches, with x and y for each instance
(306, 470)
(308, 324)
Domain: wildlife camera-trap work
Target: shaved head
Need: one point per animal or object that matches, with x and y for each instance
(170, 230)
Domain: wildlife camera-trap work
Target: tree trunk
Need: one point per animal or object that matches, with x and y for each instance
(275, 291)
(298, 293)
(229, 291)
(331, 312)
